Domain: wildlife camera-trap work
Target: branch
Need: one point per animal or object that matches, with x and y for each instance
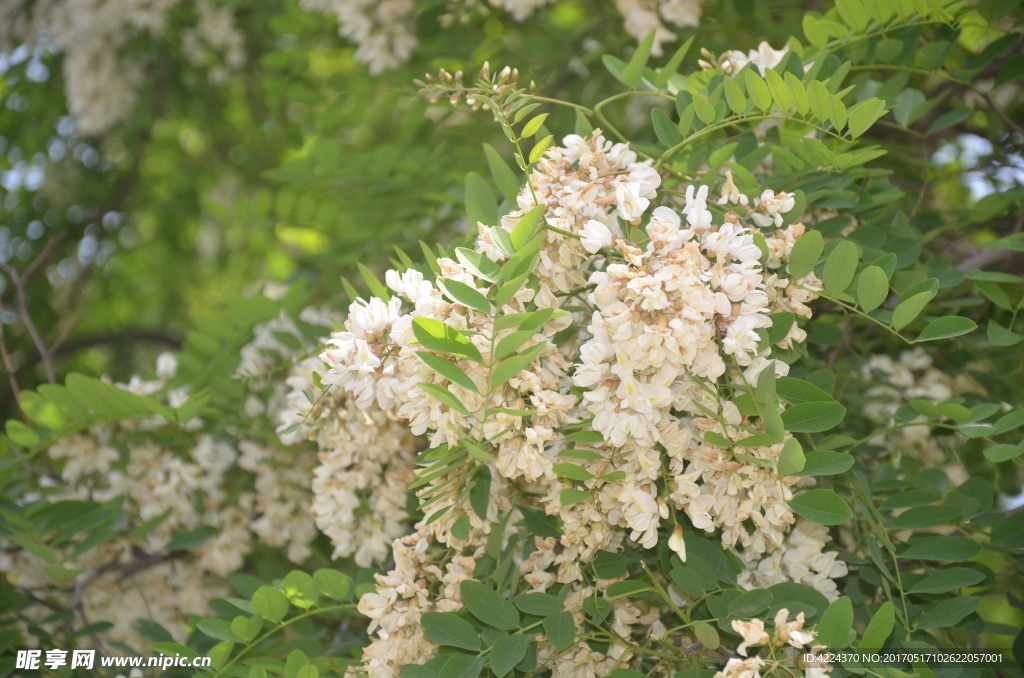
(984, 258)
(9, 368)
(44, 255)
(19, 288)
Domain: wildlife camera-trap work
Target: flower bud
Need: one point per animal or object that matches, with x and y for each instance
(676, 543)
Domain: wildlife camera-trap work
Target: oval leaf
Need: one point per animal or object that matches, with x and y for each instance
(823, 507)
(946, 327)
(488, 606)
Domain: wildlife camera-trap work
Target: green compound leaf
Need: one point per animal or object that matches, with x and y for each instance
(757, 90)
(510, 367)
(836, 623)
(270, 603)
(946, 327)
(799, 391)
(908, 309)
(813, 417)
(704, 109)
(445, 396)
(863, 116)
(448, 370)
(792, 459)
(823, 507)
(538, 604)
(441, 337)
(634, 70)
(946, 549)
(461, 293)
(481, 207)
(840, 268)
(333, 584)
(489, 606)
(734, 96)
(532, 127)
(447, 628)
(568, 496)
(925, 516)
(879, 628)
(669, 69)
(872, 288)
(805, 254)
(462, 666)
(572, 471)
(948, 580)
(826, 463)
(949, 612)
(300, 589)
(507, 652)
(560, 630)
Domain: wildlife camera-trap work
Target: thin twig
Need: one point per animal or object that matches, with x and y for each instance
(44, 255)
(995, 109)
(19, 280)
(9, 368)
(924, 186)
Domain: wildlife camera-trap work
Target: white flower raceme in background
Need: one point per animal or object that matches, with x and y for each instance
(911, 376)
(384, 32)
(243, 490)
(100, 85)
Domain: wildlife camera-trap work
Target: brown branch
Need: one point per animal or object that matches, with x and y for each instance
(9, 368)
(924, 186)
(847, 333)
(988, 257)
(64, 347)
(999, 112)
(19, 290)
(44, 255)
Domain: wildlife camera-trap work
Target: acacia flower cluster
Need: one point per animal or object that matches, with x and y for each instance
(896, 382)
(99, 83)
(234, 491)
(385, 32)
(670, 332)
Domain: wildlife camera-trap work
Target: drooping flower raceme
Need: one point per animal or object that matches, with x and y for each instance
(658, 338)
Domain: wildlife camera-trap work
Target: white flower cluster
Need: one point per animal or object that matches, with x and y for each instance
(366, 466)
(675, 331)
(214, 34)
(100, 84)
(763, 58)
(126, 588)
(384, 31)
(787, 634)
(243, 488)
(894, 383)
(402, 597)
(800, 559)
(640, 17)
